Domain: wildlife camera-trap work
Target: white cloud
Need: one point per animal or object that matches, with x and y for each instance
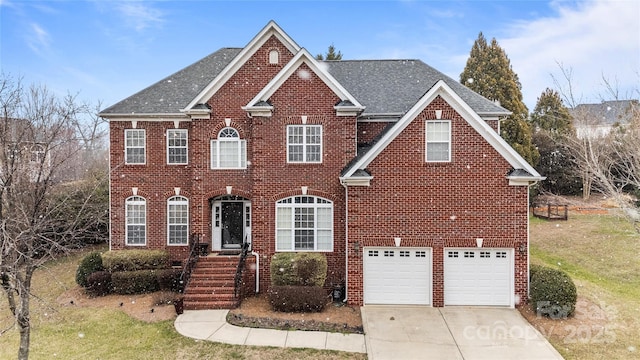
(38, 38)
(140, 16)
(595, 39)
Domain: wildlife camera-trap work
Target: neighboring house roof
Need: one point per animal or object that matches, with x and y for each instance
(173, 93)
(606, 112)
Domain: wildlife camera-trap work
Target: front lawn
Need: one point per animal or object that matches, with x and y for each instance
(67, 331)
(602, 255)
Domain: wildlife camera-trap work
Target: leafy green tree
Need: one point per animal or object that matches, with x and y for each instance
(551, 115)
(489, 73)
(330, 55)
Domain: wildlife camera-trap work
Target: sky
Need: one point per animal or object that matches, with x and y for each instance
(103, 50)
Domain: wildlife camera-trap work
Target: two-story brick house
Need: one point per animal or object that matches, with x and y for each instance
(392, 169)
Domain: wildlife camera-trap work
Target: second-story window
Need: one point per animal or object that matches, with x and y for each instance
(228, 151)
(134, 144)
(304, 143)
(438, 141)
(177, 149)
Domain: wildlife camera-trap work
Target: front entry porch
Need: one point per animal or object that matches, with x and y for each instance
(231, 224)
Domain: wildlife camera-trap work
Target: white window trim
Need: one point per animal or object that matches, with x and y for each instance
(177, 200)
(315, 205)
(130, 201)
(144, 146)
(426, 141)
(304, 144)
(242, 151)
(186, 147)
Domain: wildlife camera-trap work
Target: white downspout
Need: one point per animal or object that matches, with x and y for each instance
(257, 270)
(346, 239)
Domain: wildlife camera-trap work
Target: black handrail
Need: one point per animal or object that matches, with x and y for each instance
(185, 276)
(237, 283)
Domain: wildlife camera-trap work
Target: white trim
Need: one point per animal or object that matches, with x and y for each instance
(241, 147)
(292, 205)
(304, 144)
(462, 108)
(160, 117)
(426, 141)
(130, 201)
(304, 57)
(186, 147)
(271, 29)
(177, 201)
(126, 147)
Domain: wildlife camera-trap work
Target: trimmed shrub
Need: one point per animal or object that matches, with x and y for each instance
(134, 282)
(132, 260)
(553, 293)
(533, 269)
(297, 298)
(88, 265)
(298, 269)
(99, 283)
(169, 280)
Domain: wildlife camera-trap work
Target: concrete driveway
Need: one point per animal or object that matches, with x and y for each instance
(412, 332)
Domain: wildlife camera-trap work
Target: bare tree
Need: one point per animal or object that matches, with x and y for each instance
(40, 216)
(607, 154)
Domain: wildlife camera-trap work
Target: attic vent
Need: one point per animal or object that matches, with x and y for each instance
(274, 57)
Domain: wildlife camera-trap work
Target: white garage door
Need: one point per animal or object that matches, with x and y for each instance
(478, 276)
(397, 276)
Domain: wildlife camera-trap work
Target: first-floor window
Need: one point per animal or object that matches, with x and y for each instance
(136, 217)
(304, 223)
(178, 220)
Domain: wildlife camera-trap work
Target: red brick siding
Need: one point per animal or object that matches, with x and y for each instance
(437, 205)
(367, 131)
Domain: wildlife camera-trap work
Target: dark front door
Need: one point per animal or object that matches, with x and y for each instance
(232, 224)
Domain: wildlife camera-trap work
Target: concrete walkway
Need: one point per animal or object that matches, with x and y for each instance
(395, 332)
(212, 325)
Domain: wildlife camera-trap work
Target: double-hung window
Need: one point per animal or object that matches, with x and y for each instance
(438, 141)
(228, 151)
(136, 217)
(177, 149)
(178, 221)
(304, 143)
(134, 142)
(304, 223)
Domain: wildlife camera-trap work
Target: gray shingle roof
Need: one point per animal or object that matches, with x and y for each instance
(173, 93)
(394, 86)
(607, 112)
(389, 87)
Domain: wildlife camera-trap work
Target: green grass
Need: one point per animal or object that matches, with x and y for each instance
(66, 332)
(601, 254)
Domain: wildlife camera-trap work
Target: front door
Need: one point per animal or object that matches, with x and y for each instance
(231, 223)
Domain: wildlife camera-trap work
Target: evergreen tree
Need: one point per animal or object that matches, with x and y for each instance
(551, 115)
(331, 54)
(488, 72)
(552, 126)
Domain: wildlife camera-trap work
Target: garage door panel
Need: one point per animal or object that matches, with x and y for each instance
(478, 276)
(397, 276)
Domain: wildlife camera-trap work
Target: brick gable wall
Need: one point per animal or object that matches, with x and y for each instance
(437, 205)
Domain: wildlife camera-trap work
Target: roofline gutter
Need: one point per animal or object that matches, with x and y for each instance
(143, 115)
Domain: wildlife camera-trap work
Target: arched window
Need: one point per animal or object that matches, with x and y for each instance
(37, 153)
(228, 151)
(136, 218)
(304, 223)
(178, 220)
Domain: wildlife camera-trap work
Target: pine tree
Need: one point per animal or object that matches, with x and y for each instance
(551, 115)
(331, 54)
(489, 73)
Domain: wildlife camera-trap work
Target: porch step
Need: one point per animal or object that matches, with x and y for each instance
(212, 284)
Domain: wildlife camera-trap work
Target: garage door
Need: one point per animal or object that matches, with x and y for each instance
(475, 276)
(397, 276)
